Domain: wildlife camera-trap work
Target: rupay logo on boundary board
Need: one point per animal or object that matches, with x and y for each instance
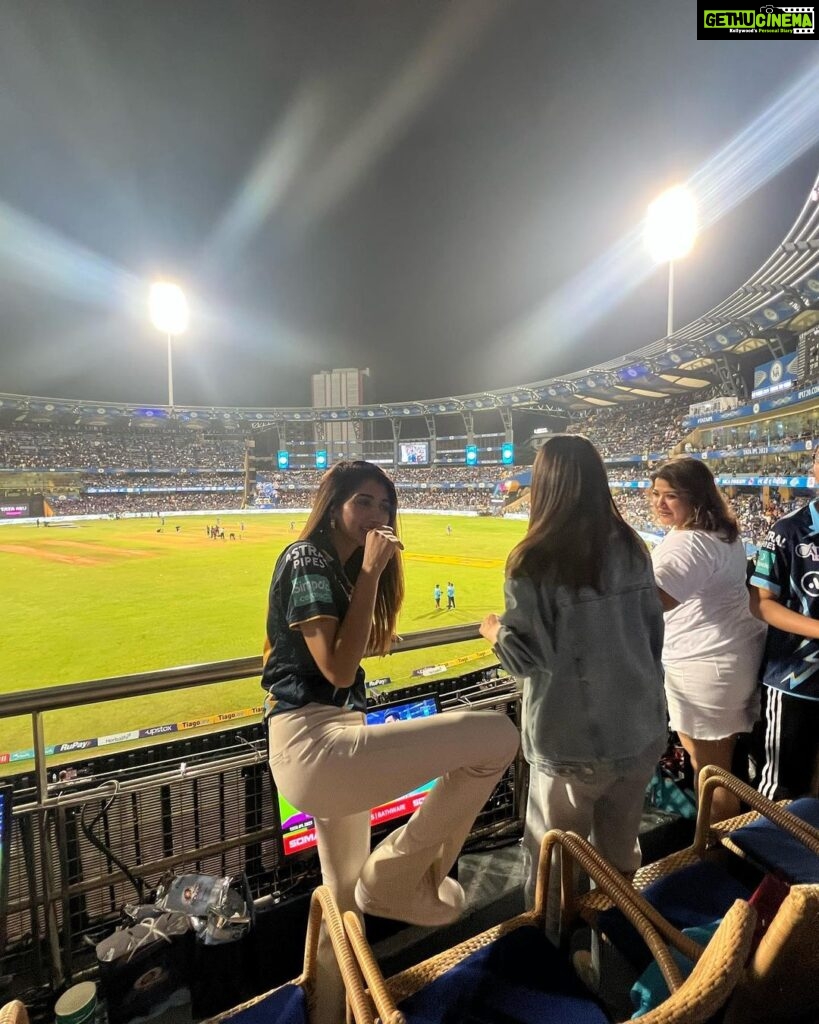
(763, 22)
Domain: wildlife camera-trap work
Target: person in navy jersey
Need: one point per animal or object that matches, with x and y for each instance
(335, 597)
(785, 595)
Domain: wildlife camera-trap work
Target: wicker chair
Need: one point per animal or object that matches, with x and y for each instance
(291, 1002)
(14, 1012)
(708, 840)
(713, 778)
(779, 982)
(509, 963)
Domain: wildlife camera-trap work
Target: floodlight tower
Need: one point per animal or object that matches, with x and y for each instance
(670, 231)
(169, 314)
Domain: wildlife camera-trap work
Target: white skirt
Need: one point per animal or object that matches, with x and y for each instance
(716, 697)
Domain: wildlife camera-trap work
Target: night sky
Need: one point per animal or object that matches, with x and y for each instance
(429, 188)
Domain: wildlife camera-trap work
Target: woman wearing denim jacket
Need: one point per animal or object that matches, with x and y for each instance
(583, 631)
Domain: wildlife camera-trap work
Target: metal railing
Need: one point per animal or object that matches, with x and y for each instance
(212, 814)
(52, 698)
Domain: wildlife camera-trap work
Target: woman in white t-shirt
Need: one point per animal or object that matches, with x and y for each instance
(713, 645)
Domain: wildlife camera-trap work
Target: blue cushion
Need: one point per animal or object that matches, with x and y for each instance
(692, 897)
(285, 1005)
(520, 979)
(650, 989)
(781, 854)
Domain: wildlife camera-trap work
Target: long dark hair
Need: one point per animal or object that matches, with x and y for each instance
(338, 485)
(572, 518)
(692, 479)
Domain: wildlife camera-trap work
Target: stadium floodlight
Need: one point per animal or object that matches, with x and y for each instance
(169, 314)
(670, 231)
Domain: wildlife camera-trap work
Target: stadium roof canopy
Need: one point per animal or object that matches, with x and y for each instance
(775, 304)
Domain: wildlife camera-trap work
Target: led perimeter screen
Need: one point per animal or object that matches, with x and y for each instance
(298, 833)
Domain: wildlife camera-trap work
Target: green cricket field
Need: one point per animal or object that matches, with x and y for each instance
(101, 598)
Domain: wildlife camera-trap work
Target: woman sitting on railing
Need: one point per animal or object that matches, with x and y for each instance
(335, 596)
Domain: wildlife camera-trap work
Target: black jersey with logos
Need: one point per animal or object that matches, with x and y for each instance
(308, 583)
(787, 565)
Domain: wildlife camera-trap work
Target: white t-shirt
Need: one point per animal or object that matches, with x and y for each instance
(707, 577)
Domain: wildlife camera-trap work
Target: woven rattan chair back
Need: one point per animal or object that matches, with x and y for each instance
(693, 1001)
(323, 912)
(780, 981)
(14, 1013)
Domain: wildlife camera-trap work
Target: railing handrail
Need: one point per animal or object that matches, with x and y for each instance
(93, 691)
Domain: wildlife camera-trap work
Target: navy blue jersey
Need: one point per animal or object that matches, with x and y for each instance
(308, 583)
(787, 565)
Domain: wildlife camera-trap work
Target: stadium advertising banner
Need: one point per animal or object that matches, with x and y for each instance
(161, 490)
(79, 746)
(648, 457)
(21, 506)
(755, 449)
(793, 398)
(14, 510)
(774, 376)
(796, 482)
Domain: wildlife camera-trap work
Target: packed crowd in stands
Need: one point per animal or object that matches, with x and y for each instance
(653, 427)
(467, 499)
(725, 439)
(796, 464)
(628, 471)
(464, 500)
(426, 476)
(142, 449)
(433, 475)
(755, 519)
(214, 461)
(164, 480)
(117, 504)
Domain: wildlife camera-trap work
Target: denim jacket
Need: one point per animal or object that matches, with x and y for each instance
(590, 666)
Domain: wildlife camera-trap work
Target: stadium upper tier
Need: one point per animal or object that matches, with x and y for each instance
(776, 303)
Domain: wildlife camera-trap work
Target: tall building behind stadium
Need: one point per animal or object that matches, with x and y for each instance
(339, 389)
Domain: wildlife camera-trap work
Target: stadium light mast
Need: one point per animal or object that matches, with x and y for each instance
(169, 314)
(670, 231)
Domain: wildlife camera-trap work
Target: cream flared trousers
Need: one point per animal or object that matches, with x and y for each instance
(330, 765)
(603, 805)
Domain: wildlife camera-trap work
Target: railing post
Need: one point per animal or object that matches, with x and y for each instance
(41, 774)
(40, 766)
(51, 925)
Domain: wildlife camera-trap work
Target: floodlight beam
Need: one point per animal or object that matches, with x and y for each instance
(169, 315)
(670, 231)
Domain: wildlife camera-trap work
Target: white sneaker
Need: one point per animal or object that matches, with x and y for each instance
(425, 907)
(585, 970)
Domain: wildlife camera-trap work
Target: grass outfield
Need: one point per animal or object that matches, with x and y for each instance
(107, 598)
